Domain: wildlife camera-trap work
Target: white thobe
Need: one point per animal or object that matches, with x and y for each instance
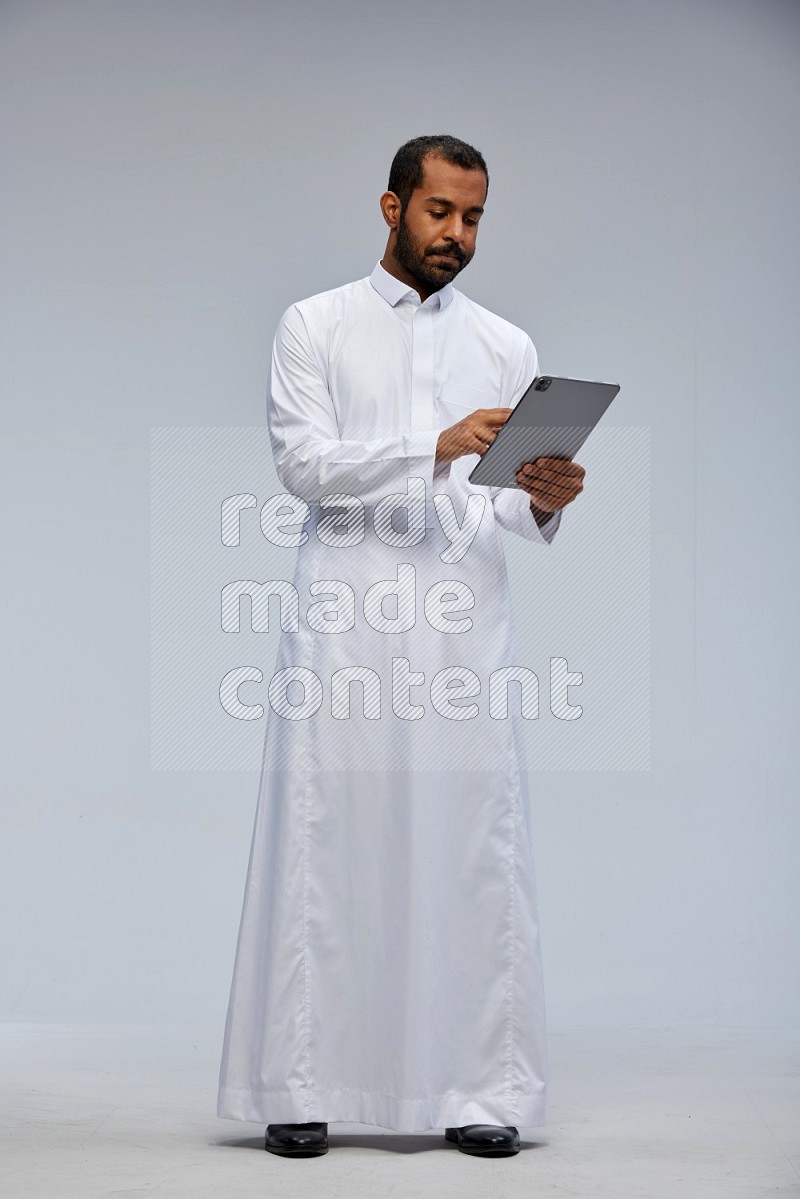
(388, 964)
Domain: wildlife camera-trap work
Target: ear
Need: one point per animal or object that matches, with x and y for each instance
(391, 209)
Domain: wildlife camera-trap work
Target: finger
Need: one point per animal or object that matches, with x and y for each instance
(544, 502)
(554, 476)
(495, 416)
(543, 494)
(486, 433)
(539, 474)
(551, 489)
(561, 466)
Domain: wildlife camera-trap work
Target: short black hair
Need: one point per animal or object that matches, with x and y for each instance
(407, 169)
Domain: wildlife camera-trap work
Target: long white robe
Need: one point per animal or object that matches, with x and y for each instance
(388, 964)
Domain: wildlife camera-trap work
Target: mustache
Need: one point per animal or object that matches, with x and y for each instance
(450, 253)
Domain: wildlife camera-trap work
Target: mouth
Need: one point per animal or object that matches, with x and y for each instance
(449, 258)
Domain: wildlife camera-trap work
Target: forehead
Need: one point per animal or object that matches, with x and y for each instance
(440, 178)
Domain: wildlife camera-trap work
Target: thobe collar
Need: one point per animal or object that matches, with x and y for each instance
(393, 290)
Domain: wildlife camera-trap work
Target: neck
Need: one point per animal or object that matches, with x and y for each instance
(390, 264)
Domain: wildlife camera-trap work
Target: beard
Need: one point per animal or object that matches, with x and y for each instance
(421, 266)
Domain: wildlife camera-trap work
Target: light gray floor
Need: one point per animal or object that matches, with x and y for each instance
(128, 1111)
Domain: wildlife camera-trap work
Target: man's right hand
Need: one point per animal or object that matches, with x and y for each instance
(472, 435)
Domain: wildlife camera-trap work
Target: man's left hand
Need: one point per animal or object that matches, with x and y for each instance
(551, 483)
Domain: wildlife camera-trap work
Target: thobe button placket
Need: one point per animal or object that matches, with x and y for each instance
(422, 369)
(423, 381)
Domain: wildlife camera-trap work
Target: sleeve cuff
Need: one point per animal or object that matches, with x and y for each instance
(512, 509)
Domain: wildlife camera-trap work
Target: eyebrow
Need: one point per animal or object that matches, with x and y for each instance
(450, 204)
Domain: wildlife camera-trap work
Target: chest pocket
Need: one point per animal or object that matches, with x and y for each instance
(457, 400)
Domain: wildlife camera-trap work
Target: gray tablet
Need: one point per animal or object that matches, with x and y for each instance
(552, 419)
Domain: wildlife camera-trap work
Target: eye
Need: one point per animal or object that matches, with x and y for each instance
(438, 214)
(470, 222)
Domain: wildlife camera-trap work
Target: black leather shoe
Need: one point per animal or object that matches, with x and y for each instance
(297, 1140)
(485, 1140)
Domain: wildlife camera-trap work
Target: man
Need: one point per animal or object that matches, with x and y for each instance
(388, 964)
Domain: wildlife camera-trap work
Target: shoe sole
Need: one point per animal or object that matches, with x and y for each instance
(295, 1152)
(499, 1152)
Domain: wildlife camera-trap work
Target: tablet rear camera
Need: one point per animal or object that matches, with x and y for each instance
(543, 384)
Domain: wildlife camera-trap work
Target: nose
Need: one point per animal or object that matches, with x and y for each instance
(455, 229)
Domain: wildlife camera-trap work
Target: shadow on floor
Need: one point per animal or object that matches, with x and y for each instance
(397, 1142)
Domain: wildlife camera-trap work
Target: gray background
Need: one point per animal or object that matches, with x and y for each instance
(178, 174)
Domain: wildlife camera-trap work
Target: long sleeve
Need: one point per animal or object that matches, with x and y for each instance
(311, 459)
(512, 505)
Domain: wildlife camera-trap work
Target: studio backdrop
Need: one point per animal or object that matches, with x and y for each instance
(178, 175)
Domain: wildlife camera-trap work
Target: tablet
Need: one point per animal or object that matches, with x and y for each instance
(552, 419)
